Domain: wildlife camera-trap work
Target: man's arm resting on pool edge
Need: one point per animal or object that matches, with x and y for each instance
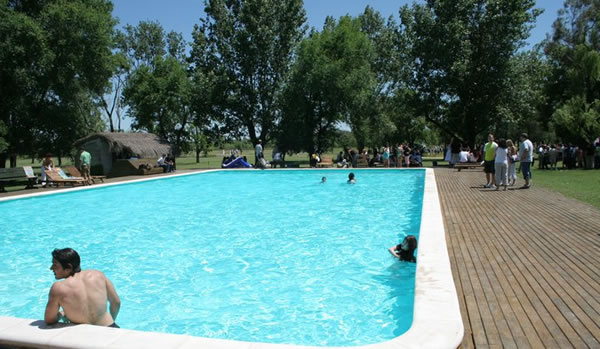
(113, 298)
(52, 314)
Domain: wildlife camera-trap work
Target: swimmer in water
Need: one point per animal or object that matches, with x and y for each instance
(406, 250)
(351, 179)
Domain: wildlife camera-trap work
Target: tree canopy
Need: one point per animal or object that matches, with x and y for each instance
(248, 44)
(55, 61)
(439, 69)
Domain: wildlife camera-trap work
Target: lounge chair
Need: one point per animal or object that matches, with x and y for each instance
(73, 171)
(55, 178)
(31, 177)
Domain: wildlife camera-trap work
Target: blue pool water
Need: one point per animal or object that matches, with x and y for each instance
(261, 256)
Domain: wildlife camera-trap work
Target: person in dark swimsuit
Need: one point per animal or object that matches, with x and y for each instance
(406, 250)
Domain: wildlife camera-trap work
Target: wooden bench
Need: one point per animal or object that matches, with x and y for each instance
(435, 162)
(459, 166)
(16, 175)
(362, 162)
(129, 167)
(326, 161)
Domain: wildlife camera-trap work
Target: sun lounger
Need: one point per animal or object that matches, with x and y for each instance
(73, 171)
(55, 178)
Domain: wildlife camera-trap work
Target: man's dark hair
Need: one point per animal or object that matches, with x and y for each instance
(502, 143)
(525, 135)
(68, 258)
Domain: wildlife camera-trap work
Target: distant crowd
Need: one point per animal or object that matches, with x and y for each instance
(399, 155)
(548, 155)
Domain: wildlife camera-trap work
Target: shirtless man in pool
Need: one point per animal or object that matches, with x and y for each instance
(83, 295)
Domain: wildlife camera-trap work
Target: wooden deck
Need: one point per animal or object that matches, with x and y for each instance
(526, 264)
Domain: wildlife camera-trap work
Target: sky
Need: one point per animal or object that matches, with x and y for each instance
(181, 15)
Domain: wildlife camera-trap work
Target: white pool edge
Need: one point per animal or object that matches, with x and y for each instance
(437, 322)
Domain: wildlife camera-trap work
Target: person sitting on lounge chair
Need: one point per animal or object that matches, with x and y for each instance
(405, 251)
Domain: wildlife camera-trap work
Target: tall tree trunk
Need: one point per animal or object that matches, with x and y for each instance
(13, 160)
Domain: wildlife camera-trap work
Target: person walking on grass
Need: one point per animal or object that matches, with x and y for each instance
(489, 154)
(526, 158)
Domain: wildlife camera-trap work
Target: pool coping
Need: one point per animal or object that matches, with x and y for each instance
(437, 321)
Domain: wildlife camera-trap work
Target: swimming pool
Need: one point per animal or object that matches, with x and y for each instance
(270, 256)
(276, 246)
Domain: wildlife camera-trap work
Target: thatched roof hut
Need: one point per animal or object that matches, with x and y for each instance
(107, 147)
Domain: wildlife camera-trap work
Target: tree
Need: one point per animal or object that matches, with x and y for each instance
(390, 112)
(331, 81)
(158, 88)
(573, 87)
(135, 46)
(158, 97)
(520, 108)
(55, 59)
(249, 46)
(462, 51)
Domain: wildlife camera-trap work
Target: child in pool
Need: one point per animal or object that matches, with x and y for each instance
(405, 251)
(351, 179)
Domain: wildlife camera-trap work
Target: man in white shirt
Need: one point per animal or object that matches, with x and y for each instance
(526, 158)
(161, 162)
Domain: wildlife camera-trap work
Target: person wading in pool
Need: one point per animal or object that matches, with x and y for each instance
(406, 250)
(83, 295)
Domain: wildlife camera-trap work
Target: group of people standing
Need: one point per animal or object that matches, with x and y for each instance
(500, 161)
(572, 156)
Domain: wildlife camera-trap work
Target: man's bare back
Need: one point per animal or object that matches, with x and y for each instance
(83, 297)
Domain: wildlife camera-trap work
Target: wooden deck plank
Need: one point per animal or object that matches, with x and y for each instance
(526, 264)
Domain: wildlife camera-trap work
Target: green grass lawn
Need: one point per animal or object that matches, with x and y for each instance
(582, 185)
